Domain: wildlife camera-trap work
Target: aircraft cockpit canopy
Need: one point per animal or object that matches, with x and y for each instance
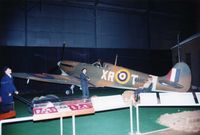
(97, 64)
(107, 65)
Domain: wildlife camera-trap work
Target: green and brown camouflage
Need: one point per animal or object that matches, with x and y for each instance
(178, 78)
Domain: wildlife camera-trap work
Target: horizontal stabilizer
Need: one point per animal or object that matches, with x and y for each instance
(172, 84)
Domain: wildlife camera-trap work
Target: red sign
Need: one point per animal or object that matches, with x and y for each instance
(62, 109)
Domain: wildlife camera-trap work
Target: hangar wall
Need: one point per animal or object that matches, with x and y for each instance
(189, 52)
(144, 25)
(32, 32)
(198, 16)
(42, 59)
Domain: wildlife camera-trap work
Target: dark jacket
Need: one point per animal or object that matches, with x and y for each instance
(84, 79)
(7, 86)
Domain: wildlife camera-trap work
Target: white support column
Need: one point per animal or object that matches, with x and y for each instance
(61, 125)
(73, 125)
(137, 120)
(131, 119)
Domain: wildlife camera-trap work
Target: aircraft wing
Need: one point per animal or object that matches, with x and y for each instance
(44, 77)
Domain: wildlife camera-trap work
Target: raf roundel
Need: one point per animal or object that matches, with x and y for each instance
(122, 76)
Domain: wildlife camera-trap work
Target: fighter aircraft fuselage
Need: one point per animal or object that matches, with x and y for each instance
(109, 75)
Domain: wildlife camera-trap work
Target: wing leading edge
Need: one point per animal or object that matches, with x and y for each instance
(51, 78)
(60, 79)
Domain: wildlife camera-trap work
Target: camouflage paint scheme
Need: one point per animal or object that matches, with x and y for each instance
(108, 75)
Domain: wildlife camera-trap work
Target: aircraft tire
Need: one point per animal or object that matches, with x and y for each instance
(67, 92)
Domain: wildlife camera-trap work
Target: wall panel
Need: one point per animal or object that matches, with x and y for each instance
(136, 25)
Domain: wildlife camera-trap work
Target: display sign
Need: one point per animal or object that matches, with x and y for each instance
(62, 109)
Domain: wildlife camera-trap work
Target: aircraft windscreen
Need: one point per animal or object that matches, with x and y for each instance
(97, 64)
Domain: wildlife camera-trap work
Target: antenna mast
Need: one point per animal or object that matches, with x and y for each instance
(178, 41)
(116, 59)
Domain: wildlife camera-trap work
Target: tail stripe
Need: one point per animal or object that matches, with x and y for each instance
(178, 74)
(168, 75)
(174, 75)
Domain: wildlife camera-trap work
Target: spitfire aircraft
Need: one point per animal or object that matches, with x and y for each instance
(178, 78)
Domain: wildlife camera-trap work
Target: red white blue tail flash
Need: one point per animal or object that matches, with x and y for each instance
(174, 75)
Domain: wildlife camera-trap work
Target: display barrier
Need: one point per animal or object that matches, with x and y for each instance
(70, 109)
(104, 103)
(166, 99)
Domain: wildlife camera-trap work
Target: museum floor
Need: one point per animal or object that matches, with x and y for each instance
(114, 122)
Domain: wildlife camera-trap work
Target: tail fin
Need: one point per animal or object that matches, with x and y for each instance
(178, 78)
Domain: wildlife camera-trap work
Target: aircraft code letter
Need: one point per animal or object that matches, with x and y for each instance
(108, 76)
(134, 77)
(104, 75)
(111, 76)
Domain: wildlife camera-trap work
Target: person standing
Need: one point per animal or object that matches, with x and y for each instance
(84, 83)
(7, 90)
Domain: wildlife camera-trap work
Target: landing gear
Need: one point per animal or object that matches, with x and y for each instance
(67, 92)
(72, 88)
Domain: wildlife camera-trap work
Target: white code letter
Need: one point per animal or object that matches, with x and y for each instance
(111, 76)
(104, 75)
(133, 78)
